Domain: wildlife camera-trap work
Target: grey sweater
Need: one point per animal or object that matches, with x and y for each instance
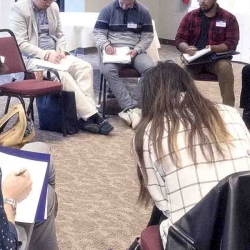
(120, 27)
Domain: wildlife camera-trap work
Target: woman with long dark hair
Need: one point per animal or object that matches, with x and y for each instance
(185, 143)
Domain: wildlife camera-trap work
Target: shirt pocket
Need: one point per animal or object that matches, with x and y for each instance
(219, 34)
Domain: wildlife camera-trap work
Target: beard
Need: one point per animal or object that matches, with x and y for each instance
(207, 10)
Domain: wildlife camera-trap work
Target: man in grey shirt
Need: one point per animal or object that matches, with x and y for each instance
(125, 23)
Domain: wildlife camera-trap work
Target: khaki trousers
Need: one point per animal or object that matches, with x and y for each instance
(224, 71)
(79, 79)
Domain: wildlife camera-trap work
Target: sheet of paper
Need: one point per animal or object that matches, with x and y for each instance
(119, 57)
(62, 66)
(2, 58)
(26, 209)
(198, 54)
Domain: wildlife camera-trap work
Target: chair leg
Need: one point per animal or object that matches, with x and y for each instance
(104, 98)
(76, 52)
(30, 109)
(22, 102)
(7, 105)
(100, 90)
(63, 116)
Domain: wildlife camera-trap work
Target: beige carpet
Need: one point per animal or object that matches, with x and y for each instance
(96, 181)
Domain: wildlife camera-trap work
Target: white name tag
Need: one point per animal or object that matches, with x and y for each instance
(44, 27)
(221, 24)
(132, 25)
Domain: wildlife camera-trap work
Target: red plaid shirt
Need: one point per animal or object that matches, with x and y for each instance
(190, 28)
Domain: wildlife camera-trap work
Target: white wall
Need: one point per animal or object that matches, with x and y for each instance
(166, 13)
(4, 11)
(75, 5)
(170, 14)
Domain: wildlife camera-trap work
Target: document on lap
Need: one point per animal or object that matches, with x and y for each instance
(34, 205)
(120, 56)
(62, 66)
(198, 54)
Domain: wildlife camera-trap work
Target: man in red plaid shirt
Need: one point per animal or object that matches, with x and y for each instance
(214, 26)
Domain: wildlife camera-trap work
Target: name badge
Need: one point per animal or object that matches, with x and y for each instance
(221, 24)
(44, 27)
(132, 25)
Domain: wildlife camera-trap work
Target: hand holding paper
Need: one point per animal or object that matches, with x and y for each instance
(198, 54)
(121, 56)
(19, 187)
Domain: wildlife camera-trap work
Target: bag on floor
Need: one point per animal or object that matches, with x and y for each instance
(50, 112)
(16, 132)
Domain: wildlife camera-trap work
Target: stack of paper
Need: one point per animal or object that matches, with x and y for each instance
(120, 56)
(198, 54)
(62, 66)
(33, 208)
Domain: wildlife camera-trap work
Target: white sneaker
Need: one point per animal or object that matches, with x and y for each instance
(131, 117)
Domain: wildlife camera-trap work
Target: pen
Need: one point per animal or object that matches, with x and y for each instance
(21, 172)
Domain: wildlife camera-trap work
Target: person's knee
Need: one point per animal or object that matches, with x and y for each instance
(39, 147)
(109, 69)
(246, 71)
(224, 66)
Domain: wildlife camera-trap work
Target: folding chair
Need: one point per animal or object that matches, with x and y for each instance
(29, 87)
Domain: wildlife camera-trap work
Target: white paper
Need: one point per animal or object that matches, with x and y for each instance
(198, 54)
(2, 58)
(62, 66)
(120, 56)
(26, 209)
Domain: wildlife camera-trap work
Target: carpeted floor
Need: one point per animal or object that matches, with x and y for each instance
(96, 178)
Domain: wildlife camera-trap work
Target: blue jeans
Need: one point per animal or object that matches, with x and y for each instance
(142, 63)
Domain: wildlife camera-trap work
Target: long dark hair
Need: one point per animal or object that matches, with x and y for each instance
(170, 97)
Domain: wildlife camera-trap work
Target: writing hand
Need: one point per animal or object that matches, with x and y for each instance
(55, 57)
(110, 50)
(191, 50)
(17, 187)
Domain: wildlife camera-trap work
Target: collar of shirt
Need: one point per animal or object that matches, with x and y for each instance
(117, 5)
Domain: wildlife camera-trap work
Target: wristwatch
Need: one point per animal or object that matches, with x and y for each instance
(11, 202)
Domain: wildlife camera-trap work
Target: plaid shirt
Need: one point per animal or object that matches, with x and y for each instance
(190, 29)
(176, 190)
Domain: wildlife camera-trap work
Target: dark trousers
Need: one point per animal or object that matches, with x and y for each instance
(245, 91)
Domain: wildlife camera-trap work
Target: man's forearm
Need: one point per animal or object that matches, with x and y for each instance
(219, 48)
(101, 38)
(144, 43)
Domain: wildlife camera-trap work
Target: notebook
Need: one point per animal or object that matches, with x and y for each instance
(211, 57)
(120, 56)
(62, 66)
(33, 208)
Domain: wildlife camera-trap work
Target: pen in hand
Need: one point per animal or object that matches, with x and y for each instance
(21, 172)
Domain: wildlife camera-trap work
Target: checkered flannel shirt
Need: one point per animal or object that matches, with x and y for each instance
(189, 29)
(176, 190)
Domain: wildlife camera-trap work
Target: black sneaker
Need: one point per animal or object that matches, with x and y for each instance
(89, 126)
(106, 127)
(246, 117)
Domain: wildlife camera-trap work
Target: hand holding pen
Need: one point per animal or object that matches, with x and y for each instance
(17, 185)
